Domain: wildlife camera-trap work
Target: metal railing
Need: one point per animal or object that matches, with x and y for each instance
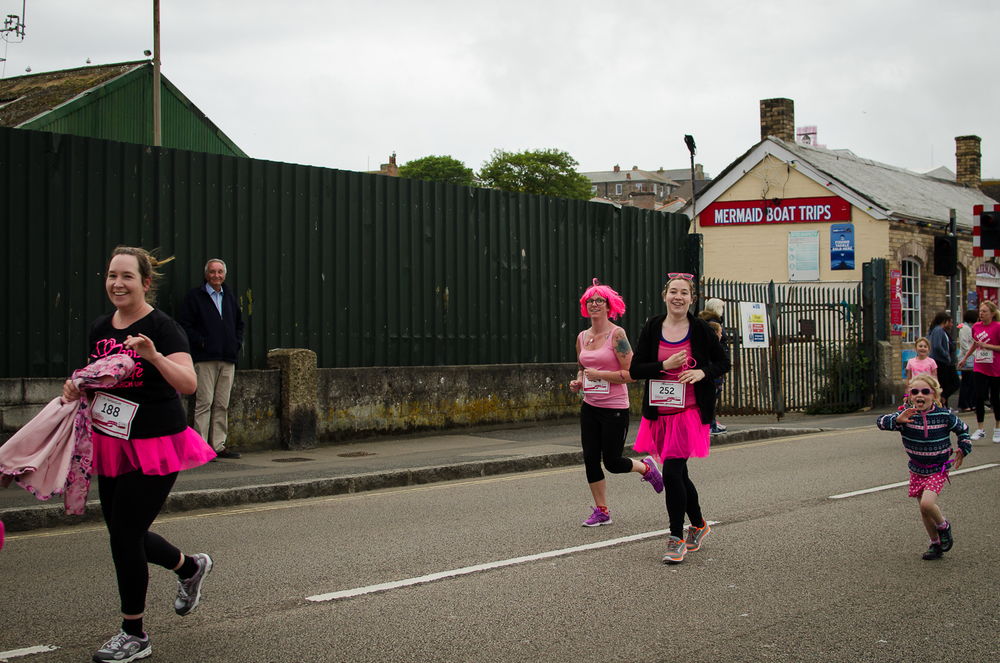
(816, 357)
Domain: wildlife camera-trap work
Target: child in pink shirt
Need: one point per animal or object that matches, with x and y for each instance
(922, 363)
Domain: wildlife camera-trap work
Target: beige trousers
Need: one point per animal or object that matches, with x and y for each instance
(215, 381)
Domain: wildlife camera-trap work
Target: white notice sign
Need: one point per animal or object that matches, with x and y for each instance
(803, 255)
(753, 323)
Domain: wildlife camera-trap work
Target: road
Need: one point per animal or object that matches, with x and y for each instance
(787, 574)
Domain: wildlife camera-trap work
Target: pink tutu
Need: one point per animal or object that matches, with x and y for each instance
(155, 455)
(680, 435)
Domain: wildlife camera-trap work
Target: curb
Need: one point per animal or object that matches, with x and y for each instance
(40, 517)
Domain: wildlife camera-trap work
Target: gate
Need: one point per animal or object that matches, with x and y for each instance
(819, 357)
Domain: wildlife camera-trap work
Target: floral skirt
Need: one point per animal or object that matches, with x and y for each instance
(155, 455)
(680, 435)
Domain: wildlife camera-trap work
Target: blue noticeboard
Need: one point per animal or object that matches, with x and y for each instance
(842, 246)
(907, 356)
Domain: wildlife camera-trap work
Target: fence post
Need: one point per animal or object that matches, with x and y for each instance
(777, 394)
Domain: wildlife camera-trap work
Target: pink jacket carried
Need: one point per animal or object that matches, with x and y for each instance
(53, 453)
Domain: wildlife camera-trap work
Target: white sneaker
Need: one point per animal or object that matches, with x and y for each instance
(996, 436)
(979, 434)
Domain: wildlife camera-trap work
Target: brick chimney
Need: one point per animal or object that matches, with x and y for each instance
(390, 169)
(968, 160)
(777, 118)
(617, 168)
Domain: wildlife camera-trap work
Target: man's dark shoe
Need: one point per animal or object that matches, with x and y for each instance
(227, 453)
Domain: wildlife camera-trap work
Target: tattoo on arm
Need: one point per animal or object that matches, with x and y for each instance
(621, 345)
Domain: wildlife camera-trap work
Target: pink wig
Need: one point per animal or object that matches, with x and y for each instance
(616, 305)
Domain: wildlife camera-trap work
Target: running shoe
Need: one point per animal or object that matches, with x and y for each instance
(597, 518)
(934, 552)
(946, 541)
(652, 475)
(714, 429)
(695, 535)
(996, 436)
(720, 427)
(123, 648)
(189, 591)
(675, 551)
(979, 434)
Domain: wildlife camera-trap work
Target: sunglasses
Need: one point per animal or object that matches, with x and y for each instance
(680, 275)
(925, 391)
(597, 301)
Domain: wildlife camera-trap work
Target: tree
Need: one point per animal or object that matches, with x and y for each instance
(539, 172)
(438, 169)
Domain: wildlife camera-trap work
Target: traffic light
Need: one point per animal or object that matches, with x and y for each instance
(989, 230)
(945, 256)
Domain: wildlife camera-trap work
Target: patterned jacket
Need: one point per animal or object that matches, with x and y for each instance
(927, 438)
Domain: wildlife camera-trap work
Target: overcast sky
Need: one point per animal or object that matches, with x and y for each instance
(344, 84)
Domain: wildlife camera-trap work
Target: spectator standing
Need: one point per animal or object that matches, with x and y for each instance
(714, 311)
(967, 392)
(943, 352)
(212, 319)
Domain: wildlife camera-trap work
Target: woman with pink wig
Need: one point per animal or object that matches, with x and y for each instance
(604, 356)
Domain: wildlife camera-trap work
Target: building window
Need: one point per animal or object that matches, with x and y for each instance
(618, 189)
(911, 301)
(638, 187)
(593, 188)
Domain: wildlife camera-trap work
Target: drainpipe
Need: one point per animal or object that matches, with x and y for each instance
(157, 136)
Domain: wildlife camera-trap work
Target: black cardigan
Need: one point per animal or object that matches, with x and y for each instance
(709, 354)
(213, 337)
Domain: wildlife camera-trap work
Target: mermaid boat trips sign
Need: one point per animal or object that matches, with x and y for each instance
(789, 210)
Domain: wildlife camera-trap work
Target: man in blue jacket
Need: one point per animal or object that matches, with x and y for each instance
(212, 319)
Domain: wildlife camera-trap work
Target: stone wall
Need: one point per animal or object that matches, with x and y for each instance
(353, 403)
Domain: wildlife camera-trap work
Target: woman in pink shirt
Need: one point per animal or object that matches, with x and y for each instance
(986, 367)
(604, 356)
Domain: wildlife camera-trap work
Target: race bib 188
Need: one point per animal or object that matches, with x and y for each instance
(112, 415)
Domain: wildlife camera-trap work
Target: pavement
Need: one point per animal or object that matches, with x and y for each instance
(389, 462)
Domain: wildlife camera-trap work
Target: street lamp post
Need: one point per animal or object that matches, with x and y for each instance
(689, 141)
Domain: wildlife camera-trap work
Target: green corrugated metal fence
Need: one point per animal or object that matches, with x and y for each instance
(365, 270)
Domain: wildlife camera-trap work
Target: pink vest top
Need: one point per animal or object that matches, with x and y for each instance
(666, 351)
(604, 359)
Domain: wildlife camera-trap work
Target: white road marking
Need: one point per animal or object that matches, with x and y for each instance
(28, 651)
(907, 483)
(385, 586)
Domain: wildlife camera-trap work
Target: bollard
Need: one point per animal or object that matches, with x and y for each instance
(298, 396)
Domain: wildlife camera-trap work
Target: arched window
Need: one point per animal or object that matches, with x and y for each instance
(911, 300)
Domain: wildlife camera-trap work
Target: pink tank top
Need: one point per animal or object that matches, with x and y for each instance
(603, 359)
(666, 351)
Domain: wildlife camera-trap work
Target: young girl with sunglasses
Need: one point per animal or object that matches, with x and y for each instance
(679, 357)
(926, 427)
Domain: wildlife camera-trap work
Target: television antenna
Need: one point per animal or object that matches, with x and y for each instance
(13, 31)
(13, 26)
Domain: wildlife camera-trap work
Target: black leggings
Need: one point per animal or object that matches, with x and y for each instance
(603, 432)
(681, 496)
(983, 383)
(130, 503)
